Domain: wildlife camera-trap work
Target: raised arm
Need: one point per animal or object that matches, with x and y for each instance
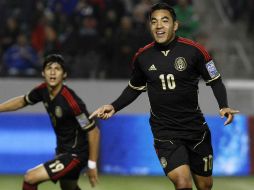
(13, 104)
(220, 94)
(93, 141)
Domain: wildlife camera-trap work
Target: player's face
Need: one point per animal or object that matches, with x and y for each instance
(54, 74)
(162, 26)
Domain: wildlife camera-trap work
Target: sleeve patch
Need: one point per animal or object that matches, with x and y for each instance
(210, 66)
(83, 121)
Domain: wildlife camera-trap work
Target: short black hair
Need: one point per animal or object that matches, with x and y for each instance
(162, 6)
(54, 58)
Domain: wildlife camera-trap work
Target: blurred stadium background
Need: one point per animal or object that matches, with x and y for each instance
(98, 39)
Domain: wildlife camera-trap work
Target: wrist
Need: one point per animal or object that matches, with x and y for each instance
(91, 164)
(223, 108)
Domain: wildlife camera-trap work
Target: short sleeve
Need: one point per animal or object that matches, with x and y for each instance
(79, 109)
(83, 119)
(35, 95)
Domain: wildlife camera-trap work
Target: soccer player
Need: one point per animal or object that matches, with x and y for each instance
(77, 136)
(169, 69)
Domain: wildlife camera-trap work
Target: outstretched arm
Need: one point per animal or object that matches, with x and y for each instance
(93, 140)
(13, 104)
(220, 94)
(127, 97)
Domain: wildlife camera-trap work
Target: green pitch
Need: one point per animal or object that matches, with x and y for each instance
(132, 183)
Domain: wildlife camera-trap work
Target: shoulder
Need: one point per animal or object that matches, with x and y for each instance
(72, 99)
(194, 45)
(41, 86)
(145, 48)
(68, 92)
(70, 95)
(142, 51)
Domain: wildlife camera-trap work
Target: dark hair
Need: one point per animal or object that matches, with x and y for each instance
(162, 6)
(54, 58)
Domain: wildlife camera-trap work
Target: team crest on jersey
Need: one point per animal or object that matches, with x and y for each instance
(180, 64)
(164, 162)
(58, 111)
(210, 66)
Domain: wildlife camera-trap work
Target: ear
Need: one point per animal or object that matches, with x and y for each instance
(176, 25)
(42, 73)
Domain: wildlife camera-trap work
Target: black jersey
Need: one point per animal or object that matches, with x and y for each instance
(170, 74)
(68, 115)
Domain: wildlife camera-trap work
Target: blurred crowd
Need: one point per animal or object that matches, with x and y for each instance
(241, 10)
(98, 38)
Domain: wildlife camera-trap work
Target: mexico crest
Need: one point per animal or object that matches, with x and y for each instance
(164, 162)
(58, 111)
(180, 64)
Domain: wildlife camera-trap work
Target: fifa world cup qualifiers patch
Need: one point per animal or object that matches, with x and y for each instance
(210, 66)
(84, 122)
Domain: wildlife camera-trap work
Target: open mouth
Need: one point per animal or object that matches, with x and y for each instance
(52, 79)
(160, 33)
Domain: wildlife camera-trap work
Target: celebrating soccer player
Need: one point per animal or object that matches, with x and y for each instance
(169, 69)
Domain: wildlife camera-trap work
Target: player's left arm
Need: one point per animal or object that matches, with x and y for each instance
(220, 94)
(210, 74)
(90, 127)
(93, 141)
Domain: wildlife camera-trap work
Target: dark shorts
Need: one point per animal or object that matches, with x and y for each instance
(197, 153)
(65, 166)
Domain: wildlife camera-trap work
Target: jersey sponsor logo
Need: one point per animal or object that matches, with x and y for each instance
(83, 120)
(152, 68)
(165, 53)
(58, 111)
(210, 66)
(180, 64)
(164, 162)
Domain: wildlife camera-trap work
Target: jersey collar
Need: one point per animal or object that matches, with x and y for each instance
(169, 46)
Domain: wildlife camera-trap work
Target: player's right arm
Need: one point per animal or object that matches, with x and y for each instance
(126, 98)
(136, 86)
(13, 104)
(19, 102)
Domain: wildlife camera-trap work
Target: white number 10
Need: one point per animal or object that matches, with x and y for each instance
(167, 81)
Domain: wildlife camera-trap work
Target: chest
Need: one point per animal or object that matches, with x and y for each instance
(178, 64)
(57, 108)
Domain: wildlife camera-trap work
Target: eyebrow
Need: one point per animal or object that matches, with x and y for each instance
(165, 17)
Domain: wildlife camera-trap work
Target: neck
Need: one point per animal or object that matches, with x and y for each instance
(54, 90)
(168, 42)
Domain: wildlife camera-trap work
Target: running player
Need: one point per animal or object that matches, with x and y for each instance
(169, 69)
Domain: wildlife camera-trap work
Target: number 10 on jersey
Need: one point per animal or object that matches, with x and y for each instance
(167, 81)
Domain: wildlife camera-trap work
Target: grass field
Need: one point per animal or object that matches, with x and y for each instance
(133, 183)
